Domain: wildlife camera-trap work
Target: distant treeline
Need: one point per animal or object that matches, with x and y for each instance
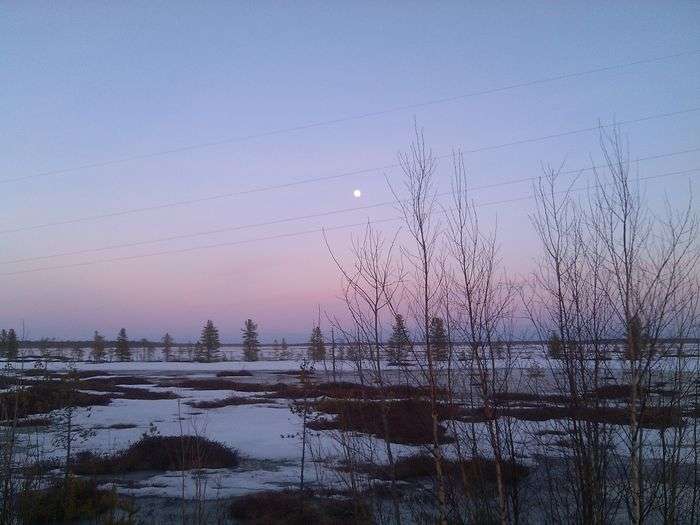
(67, 344)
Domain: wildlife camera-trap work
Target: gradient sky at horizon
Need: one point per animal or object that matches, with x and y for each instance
(87, 82)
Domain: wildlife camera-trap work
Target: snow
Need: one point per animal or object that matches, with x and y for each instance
(266, 435)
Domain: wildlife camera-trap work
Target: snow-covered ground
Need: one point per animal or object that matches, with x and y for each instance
(266, 435)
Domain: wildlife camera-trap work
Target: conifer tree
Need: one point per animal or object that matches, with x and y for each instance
(276, 351)
(3, 342)
(210, 343)
(168, 342)
(284, 349)
(317, 346)
(555, 348)
(12, 344)
(43, 346)
(251, 345)
(77, 352)
(636, 340)
(438, 338)
(98, 347)
(399, 342)
(123, 350)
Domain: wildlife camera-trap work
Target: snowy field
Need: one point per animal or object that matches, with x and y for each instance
(267, 435)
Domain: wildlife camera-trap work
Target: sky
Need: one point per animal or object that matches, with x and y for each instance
(114, 106)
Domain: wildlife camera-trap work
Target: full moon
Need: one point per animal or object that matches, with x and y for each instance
(357, 194)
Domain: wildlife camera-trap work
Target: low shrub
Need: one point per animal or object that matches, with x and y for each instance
(423, 466)
(409, 420)
(509, 397)
(115, 426)
(44, 397)
(293, 507)
(234, 373)
(28, 423)
(227, 401)
(219, 384)
(343, 390)
(145, 394)
(159, 453)
(82, 501)
(650, 417)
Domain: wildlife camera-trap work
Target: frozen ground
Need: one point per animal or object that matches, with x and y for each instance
(266, 435)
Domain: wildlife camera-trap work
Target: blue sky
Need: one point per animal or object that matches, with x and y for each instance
(87, 82)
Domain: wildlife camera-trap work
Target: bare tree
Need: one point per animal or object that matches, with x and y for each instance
(370, 288)
(482, 302)
(650, 262)
(418, 209)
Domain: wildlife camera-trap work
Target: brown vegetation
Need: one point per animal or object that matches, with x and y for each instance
(234, 373)
(227, 401)
(41, 398)
(409, 420)
(296, 508)
(423, 466)
(83, 501)
(159, 453)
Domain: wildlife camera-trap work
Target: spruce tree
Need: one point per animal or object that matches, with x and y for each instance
(168, 342)
(284, 349)
(276, 352)
(555, 348)
(12, 344)
(3, 343)
(77, 352)
(251, 345)
(438, 338)
(399, 342)
(209, 342)
(98, 347)
(636, 339)
(317, 346)
(43, 346)
(122, 350)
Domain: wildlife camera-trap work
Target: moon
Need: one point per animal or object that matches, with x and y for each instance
(357, 194)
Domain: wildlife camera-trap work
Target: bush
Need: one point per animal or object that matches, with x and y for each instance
(342, 390)
(409, 420)
(227, 401)
(44, 397)
(296, 508)
(220, 384)
(160, 453)
(82, 502)
(423, 466)
(234, 373)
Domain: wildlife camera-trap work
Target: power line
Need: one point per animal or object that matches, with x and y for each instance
(290, 234)
(261, 189)
(304, 217)
(244, 138)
